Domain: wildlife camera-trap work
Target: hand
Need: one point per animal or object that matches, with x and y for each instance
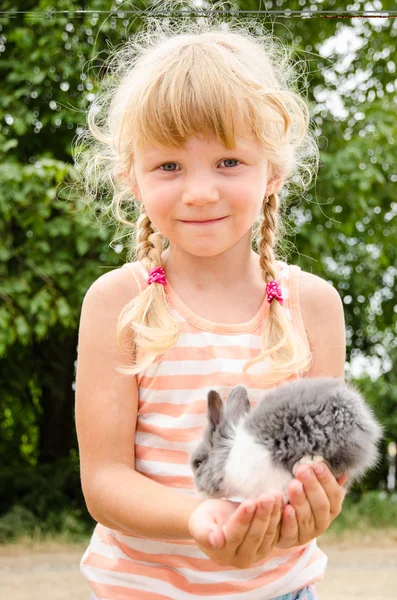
(311, 510)
(242, 534)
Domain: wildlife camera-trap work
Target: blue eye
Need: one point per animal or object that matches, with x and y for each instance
(167, 165)
(230, 159)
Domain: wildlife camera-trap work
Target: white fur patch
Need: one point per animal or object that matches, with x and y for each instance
(249, 470)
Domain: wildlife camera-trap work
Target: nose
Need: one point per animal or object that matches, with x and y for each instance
(200, 192)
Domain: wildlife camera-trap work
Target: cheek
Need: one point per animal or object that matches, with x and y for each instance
(246, 212)
(246, 199)
(160, 211)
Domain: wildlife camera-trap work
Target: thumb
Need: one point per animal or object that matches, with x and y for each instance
(205, 530)
(216, 537)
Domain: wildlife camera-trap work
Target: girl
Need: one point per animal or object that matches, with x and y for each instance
(202, 132)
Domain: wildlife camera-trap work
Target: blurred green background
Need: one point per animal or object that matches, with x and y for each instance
(344, 229)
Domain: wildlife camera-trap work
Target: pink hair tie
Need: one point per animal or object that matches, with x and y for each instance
(157, 275)
(273, 290)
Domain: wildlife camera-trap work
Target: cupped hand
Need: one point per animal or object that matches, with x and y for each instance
(237, 535)
(316, 499)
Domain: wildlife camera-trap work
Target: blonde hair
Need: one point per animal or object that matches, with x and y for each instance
(173, 81)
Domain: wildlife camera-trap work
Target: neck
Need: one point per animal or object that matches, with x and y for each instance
(238, 264)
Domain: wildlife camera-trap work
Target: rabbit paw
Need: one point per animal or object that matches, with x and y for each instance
(307, 460)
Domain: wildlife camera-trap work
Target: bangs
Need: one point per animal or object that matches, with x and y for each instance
(200, 94)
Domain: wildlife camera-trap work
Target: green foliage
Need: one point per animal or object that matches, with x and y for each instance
(21, 522)
(48, 253)
(41, 501)
(373, 510)
(51, 247)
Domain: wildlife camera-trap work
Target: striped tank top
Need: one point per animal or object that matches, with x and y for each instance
(170, 422)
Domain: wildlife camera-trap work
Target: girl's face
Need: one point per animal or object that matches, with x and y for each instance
(204, 199)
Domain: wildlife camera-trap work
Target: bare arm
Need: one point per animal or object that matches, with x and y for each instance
(130, 502)
(322, 312)
(106, 412)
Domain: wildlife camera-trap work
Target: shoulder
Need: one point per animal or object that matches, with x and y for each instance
(118, 286)
(101, 337)
(316, 295)
(103, 302)
(323, 317)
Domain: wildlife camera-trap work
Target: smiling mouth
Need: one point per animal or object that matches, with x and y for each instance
(204, 222)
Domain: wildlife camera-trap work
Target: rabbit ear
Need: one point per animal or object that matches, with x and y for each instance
(215, 409)
(237, 404)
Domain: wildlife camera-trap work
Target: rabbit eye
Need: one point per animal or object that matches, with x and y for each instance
(197, 463)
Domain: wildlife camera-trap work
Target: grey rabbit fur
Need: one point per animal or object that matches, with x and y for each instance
(245, 452)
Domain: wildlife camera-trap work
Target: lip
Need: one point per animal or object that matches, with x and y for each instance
(204, 222)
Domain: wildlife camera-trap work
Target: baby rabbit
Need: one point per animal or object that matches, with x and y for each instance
(245, 452)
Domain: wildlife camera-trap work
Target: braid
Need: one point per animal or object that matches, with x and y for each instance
(147, 314)
(268, 237)
(281, 344)
(150, 242)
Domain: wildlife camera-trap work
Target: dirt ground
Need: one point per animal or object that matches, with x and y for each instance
(358, 567)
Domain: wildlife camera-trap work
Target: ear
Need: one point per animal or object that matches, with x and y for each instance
(131, 178)
(237, 404)
(135, 190)
(274, 185)
(215, 409)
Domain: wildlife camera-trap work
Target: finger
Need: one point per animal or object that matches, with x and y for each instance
(238, 524)
(272, 533)
(258, 527)
(317, 498)
(303, 510)
(342, 480)
(277, 536)
(289, 532)
(332, 488)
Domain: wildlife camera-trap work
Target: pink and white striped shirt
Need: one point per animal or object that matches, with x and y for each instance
(171, 418)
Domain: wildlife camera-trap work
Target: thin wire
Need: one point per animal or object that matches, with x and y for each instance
(373, 14)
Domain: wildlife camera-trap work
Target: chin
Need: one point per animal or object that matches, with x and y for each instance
(206, 250)
(204, 253)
